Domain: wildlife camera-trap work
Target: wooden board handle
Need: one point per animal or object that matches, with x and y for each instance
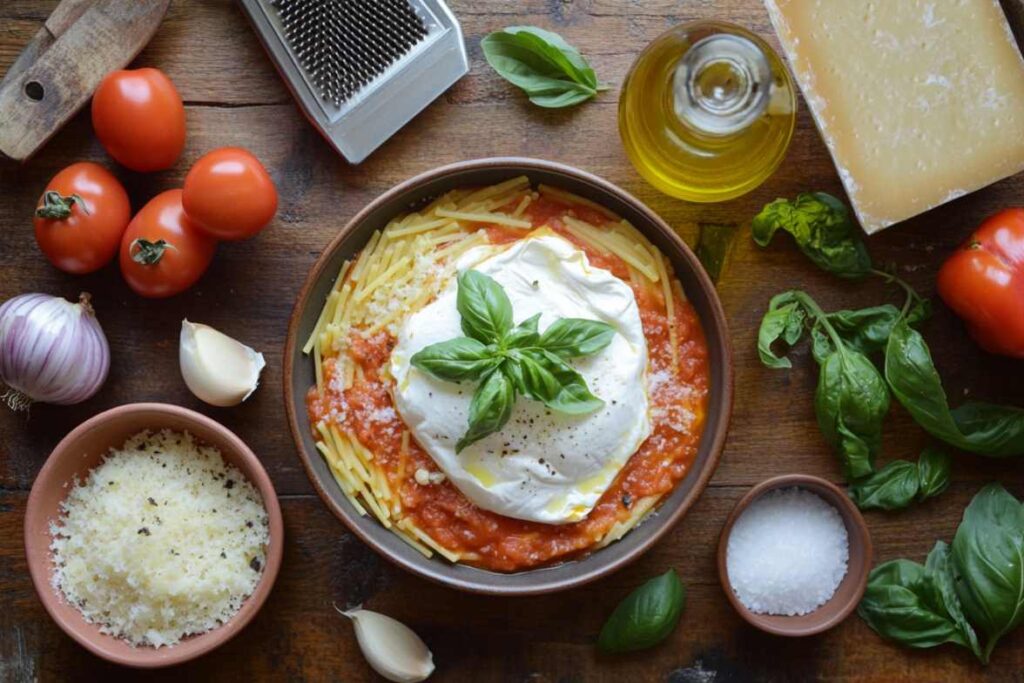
(79, 45)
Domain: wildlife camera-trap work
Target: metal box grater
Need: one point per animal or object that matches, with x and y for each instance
(361, 69)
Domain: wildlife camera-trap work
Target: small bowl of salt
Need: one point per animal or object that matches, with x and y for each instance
(794, 555)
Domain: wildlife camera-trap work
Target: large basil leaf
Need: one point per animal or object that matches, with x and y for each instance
(574, 337)
(851, 402)
(821, 226)
(456, 360)
(980, 428)
(988, 562)
(551, 72)
(524, 334)
(543, 376)
(939, 568)
(900, 482)
(490, 408)
(484, 306)
(903, 602)
(646, 616)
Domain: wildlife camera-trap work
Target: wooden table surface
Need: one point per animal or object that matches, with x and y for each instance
(234, 97)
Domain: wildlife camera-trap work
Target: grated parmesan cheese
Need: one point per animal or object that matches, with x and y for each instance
(162, 540)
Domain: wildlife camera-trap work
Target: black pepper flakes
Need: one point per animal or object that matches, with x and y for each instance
(151, 501)
(627, 500)
(255, 564)
(144, 531)
(229, 484)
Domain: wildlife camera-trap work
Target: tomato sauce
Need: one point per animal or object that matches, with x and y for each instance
(677, 399)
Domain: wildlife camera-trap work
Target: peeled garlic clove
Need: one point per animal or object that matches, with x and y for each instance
(391, 648)
(217, 369)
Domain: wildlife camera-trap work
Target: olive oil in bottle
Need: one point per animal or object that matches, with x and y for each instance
(707, 111)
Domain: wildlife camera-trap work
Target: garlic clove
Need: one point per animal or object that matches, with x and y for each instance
(217, 369)
(391, 648)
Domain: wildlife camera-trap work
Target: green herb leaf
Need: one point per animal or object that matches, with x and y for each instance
(939, 568)
(988, 564)
(551, 72)
(851, 403)
(783, 320)
(821, 226)
(980, 428)
(933, 473)
(489, 410)
(891, 488)
(484, 306)
(646, 616)
(575, 337)
(542, 376)
(524, 334)
(456, 360)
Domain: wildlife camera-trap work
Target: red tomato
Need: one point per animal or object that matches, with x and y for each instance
(139, 118)
(162, 252)
(80, 218)
(229, 194)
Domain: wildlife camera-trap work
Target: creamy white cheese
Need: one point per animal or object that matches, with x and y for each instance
(543, 466)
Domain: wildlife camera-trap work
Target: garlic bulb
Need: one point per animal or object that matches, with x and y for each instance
(217, 369)
(391, 648)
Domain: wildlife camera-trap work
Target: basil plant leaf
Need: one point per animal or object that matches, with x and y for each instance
(933, 473)
(902, 603)
(893, 487)
(821, 226)
(980, 428)
(939, 568)
(575, 337)
(646, 616)
(542, 376)
(484, 307)
(524, 334)
(784, 320)
(489, 410)
(851, 403)
(988, 563)
(456, 360)
(551, 72)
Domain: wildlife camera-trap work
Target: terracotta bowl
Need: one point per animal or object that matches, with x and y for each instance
(850, 589)
(299, 376)
(81, 450)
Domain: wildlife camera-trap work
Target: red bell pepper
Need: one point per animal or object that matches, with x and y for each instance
(983, 282)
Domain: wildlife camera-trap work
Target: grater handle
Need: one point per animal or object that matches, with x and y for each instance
(54, 77)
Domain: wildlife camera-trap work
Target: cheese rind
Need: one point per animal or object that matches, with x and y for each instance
(919, 101)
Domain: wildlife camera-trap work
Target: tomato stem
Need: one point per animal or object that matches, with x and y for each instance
(148, 253)
(57, 206)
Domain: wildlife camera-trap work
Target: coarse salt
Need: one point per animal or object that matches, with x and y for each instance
(787, 553)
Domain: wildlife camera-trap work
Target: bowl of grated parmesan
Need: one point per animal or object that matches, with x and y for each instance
(153, 534)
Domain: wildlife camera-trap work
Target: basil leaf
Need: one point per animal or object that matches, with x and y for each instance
(933, 472)
(542, 376)
(551, 72)
(939, 568)
(821, 226)
(980, 428)
(484, 306)
(851, 402)
(902, 603)
(455, 360)
(988, 563)
(891, 488)
(646, 616)
(489, 410)
(524, 334)
(575, 337)
(782, 321)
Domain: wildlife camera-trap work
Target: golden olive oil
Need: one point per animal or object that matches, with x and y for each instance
(707, 111)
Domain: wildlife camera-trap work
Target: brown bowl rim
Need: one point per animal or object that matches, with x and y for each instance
(717, 438)
(860, 537)
(87, 635)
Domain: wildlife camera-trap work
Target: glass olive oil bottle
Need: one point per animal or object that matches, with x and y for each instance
(707, 111)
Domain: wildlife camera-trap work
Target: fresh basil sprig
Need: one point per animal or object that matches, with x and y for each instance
(981, 428)
(509, 360)
(646, 616)
(821, 226)
(975, 587)
(901, 482)
(551, 71)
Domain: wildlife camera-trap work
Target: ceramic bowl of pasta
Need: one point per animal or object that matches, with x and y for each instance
(508, 376)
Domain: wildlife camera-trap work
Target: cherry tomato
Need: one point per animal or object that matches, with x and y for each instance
(80, 218)
(162, 251)
(138, 116)
(229, 194)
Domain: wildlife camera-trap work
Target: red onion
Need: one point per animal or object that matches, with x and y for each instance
(51, 350)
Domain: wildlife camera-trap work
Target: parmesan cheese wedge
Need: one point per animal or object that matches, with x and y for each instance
(217, 369)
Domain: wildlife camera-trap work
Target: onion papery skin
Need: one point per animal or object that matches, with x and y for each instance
(51, 350)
